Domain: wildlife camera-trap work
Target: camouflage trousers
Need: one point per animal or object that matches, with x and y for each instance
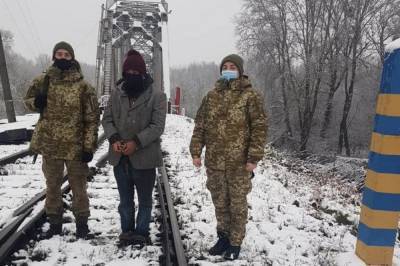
(53, 170)
(229, 191)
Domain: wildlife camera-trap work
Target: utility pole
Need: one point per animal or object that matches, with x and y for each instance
(5, 83)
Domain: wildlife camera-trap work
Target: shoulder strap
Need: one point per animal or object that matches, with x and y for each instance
(44, 90)
(46, 83)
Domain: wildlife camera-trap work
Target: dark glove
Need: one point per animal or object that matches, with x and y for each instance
(86, 157)
(40, 101)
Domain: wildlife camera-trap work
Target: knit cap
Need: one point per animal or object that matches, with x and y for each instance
(234, 58)
(134, 61)
(65, 46)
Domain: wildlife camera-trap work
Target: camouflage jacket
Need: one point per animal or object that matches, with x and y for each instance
(69, 123)
(231, 123)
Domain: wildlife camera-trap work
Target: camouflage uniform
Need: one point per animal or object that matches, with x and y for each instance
(68, 126)
(231, 124)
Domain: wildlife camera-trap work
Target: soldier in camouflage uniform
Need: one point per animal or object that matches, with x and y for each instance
(66, 133)
(231, 124)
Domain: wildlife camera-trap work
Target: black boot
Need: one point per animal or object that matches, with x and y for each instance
(55, 229)
(139, 240)
(221, 245)
(232, 253)
(82, 230)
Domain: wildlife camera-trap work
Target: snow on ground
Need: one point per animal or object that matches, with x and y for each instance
(104, 223)
(295, 217)
(23, 121)
(19, 182)
(299, 213)
(6, 150)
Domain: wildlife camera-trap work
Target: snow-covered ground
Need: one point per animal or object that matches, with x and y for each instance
(295, 218)
(24, 121)
(104, 223)
(299, 213)
(19, 182)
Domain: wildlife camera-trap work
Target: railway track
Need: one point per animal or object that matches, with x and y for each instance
(13, 157)
(174, 253)
(12, 232)
(26, 219)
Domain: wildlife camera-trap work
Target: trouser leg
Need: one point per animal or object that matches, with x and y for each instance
(77, 178)
(239, 185)
(144, 182)
(53, 171)
(126, 207)
(217, 185)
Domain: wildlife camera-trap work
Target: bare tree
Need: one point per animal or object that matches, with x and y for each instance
(195, 81)
(359, 15)
(315, 51)
(384, 25)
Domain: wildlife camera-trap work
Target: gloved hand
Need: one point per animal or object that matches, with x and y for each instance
(86, 156)
(40, 101)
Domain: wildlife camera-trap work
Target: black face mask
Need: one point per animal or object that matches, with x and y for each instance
(63, 64)
(133, 84)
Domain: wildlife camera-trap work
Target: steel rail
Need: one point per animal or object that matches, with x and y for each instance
(178, 255)
(12, 232)
(13, 157)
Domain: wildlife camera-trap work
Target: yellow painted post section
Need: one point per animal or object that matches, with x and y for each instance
(387, 105)
(374, 255)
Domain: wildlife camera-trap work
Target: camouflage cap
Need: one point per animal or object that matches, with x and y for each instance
(234, 58)
(65, 46)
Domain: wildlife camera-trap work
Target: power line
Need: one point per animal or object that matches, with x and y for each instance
(33, 24)
(16, 26)
(87, 35)
(31, 28)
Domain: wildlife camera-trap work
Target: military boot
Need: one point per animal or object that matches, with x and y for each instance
(221, 245)
(55, 229)
(82, 228)
(232, 252)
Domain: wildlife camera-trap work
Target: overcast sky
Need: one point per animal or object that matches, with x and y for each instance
(199, 30)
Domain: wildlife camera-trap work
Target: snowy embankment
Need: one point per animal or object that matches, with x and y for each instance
(296, 217)
(23, 121)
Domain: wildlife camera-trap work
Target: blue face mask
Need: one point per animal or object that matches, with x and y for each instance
(229, 74)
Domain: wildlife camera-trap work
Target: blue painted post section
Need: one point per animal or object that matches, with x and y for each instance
(381, 197)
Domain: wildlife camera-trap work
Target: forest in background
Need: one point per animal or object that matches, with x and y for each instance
(318, 65)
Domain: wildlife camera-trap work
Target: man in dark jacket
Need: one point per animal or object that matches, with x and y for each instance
(66, 133)
(133, 122)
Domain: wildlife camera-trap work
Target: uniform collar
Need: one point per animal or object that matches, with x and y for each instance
(235, 85)
(67, 75)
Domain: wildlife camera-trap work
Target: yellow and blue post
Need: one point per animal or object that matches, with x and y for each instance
(381, 196)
